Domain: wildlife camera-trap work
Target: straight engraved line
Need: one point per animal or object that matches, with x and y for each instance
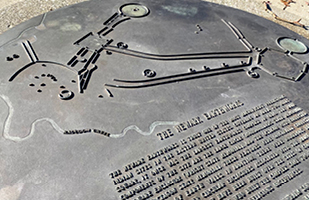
(72, 60)
(84, 75)
(300, 76)
(277, 50)
(244, 44)
(102, 30)
(109, 19)
(108, 43)
(284, 77)
(82, 81)
(80, 51)
(84, 37)
(175, 80)
(100, 50)
(32, 50)
(87, 64)
(230, 27)
(237, 30)
(184, 74)
(295, 58)
(266, 70)
(178, 55)
(84, 53)
(96, 58)
(107, 32)
(28, 53)
(264, 50)
(238, 35)
(88, 76)
(305, 68)
(258, 58)
(74, 63)
(119, 22)
(109, 92)
(214, 55)
(248, 44)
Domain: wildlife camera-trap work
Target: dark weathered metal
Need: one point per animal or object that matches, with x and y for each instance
(153, 100)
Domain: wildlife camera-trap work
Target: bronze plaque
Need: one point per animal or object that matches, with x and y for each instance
(153, 100)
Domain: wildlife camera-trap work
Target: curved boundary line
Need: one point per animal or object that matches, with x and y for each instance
(7, 124)
(33, 63)
(138, 130)
(24, 31)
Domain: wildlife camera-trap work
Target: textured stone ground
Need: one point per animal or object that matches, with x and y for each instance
(13, 12)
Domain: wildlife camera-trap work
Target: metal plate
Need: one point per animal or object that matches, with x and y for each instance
(292, 45)
(173, 100)
(134, 10)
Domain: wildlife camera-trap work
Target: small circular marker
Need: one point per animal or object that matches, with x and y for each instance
(134, 10)
(149, 73)
(66, 95)
(9, 59)
(253, 74)
(292, 45)
(122, 45)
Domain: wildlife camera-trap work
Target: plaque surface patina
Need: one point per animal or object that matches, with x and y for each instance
(153, 100)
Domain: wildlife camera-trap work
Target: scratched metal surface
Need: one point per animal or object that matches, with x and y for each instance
(91, 93)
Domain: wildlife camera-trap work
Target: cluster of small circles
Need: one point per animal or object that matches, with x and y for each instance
(48, 75)
(199, 29)
(44, 84)
(52, 77)
(64, 94)
(32, 84)
(9, 58)
(39, 90)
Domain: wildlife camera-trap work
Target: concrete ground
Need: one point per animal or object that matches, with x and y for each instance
(13, 12)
